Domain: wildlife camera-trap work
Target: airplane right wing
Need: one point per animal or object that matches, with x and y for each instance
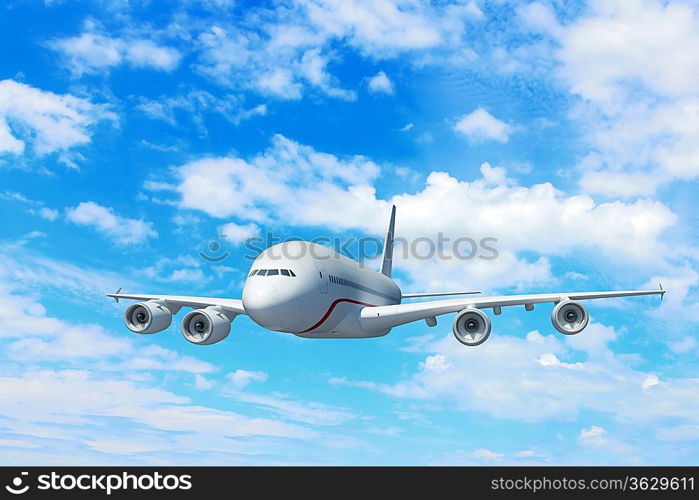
(378, 318)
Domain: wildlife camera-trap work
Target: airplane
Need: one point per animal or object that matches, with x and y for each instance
(311, 291)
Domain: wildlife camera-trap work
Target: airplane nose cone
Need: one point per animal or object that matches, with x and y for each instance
(260, 296)
(260, 301)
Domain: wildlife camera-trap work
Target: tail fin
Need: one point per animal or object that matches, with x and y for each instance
(387, 261)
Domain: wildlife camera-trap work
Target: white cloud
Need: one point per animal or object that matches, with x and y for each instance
(279, 177)
(486, 454)
(381, 84)
(8, 142)
(280, 83)
(540, 17)
(79, 283)
(195, 104)
(117, 381)
(291, 47)
(68, 397)
(480, 126)
(182, 269)
(145, 53)
(122, 230)
(530, 218)
(650, 381)
(638, 40)
(684, 345)
(201, 383)
(282, 182)
(49, 122)
(92, 52)
(48, 213)
(531, 390)
(308, 412)
(633, 66)
(385, 27)
(279, 66)
(237, 233)
(241, 378)
(35, 207)
(592, 433)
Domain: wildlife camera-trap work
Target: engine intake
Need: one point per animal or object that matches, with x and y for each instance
(471, 327)
(206, 326)
(147, 317)
(569, 317)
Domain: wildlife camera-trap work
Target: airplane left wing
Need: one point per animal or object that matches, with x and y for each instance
(377, 318)
(234, 306)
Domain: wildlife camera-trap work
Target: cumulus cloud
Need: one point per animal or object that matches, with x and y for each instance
(480, 126)
(48, 122)
(380, 84)
(531, 218)
(92, 52)
(277, 177)
(122, 230)
(238, 233)
(281, 183)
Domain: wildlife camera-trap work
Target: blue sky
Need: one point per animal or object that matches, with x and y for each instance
(132, 134)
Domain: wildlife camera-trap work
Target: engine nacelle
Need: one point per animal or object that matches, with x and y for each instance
(471, 327)
(206, 326)
(147, 317)
(569, 317)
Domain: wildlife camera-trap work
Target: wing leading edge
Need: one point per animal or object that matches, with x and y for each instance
(383, 317)
(232, 305)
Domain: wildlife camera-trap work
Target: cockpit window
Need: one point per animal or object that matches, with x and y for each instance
(272, 272)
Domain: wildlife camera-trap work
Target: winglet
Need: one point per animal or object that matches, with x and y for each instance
(662, 292)
(387, 261)
(114, 295)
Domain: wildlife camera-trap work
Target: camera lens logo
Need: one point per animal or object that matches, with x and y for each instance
(16, 487)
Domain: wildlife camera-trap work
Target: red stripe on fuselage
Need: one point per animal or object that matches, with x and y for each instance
(330, 310)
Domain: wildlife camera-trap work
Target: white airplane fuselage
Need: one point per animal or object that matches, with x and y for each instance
(314, 292)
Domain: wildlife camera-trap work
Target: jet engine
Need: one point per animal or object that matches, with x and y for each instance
(569, 317)
(148, 317)
(206, 326)
(471, 327)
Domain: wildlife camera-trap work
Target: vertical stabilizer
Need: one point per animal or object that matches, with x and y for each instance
(387, 261)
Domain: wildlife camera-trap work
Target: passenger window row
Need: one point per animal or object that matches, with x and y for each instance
(272, 272)
(345, 282)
